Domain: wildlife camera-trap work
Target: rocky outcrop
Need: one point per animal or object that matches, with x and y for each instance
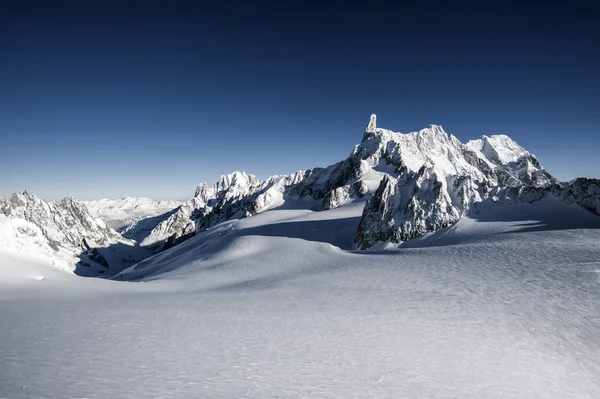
(75, 237)
(344, 194)
(436, 180)
(405, 208)
(64, 224)
(584, 192)
(233, 195)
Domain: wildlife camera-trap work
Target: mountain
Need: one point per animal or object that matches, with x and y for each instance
(65, 234)
(121, 213)
(265, 295)
(439, 180)
(406, 185)
(413, 184)
(236, 195)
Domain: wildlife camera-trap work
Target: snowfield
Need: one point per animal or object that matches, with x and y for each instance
(502, 304)
(121, 213)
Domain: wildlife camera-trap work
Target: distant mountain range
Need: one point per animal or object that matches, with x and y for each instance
(410, 184)
(121, 213)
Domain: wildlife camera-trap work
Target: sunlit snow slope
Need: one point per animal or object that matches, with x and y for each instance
(502, 304)
(121, 213)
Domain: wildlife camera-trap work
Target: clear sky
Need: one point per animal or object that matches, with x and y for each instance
(100, 99)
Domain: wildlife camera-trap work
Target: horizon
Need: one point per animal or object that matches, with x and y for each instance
(109, 100)
(262, 178)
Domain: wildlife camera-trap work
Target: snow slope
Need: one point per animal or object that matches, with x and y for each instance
(499, 305)
(65, 235)
(121, 213)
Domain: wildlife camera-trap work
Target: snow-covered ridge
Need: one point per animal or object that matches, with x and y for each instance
(437, 179)
(443, 174)
(410, 184)
(65, 234)
(120, 213)
(229, 197)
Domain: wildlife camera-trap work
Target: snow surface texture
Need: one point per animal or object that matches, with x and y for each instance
(121, 213)
(65, 235)
(501, 304)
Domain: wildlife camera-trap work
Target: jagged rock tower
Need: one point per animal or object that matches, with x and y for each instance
(372, 126)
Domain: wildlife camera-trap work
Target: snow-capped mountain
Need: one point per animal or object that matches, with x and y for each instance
(410, 184)
(233, 195)
(64, 234)
(281, 302)
(121, 213)
(420, 182)
(239, 195)
(437, 179)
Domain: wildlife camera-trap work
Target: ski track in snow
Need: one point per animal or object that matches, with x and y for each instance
(246, 313)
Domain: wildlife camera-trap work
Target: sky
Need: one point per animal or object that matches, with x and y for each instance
(108, 99)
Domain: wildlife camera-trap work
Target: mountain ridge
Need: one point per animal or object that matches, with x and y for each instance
(490, 161)
(411, 184)
(65, 234)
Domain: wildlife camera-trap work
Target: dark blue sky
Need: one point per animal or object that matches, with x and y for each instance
(151, 98)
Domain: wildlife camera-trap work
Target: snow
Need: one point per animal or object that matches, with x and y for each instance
(497, 149)
(64, 235)
(270, 298)
(504, 304)
(372, 126)
(22, 237)
(463, 173)
(121, 213)
(242, 182)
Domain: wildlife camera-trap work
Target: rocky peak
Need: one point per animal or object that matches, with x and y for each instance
(436, 179)
(497, 149)
(430, 179)
(204, 193)
(241, 181)
(69, 230)
(372, 126)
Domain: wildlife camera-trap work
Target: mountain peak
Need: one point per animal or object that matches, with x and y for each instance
(499, 148)
(435, 127)
(242, 180)
(372, 126)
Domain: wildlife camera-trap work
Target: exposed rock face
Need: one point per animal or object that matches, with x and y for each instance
(436, 180)
(66, 223)
(377, 222)
(344, 194)
(584, 192)
(372, 126)
(400, 210)
(73, 235)
(237, 194)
